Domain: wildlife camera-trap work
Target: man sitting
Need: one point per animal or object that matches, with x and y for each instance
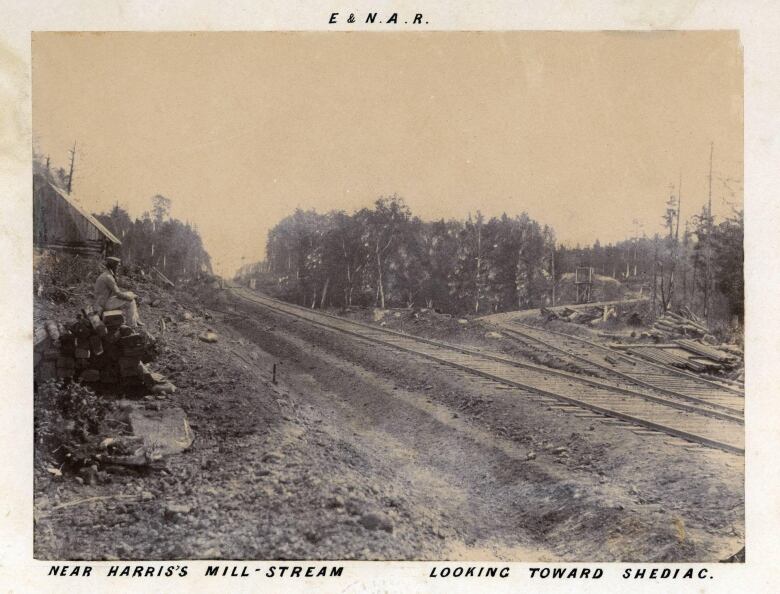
(109, 296)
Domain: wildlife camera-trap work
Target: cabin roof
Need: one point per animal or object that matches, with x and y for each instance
(78, 208)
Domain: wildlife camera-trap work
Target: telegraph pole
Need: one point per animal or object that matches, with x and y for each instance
(709, 197)
(655, 273)
(552, 265)
(72, 161)
(708, 250)
(679, 208)
(636, 242)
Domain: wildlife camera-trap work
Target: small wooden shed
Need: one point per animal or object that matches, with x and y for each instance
(61, 223)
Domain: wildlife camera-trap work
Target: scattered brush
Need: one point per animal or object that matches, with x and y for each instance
(68, 419)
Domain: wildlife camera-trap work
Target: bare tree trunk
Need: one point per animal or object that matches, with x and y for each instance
(666, 291)
(348, 289)
(410, 300)
(324, 292)
(675, 240)
(708, 245)
(655, 277)
(552, 259)
(479, 267)
(381, 287)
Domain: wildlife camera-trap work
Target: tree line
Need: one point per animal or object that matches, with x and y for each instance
(384, 256)
(156, 240)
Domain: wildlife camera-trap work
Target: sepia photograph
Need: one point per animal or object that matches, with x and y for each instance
(378, 296)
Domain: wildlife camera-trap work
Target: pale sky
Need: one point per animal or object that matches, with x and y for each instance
(584, 131)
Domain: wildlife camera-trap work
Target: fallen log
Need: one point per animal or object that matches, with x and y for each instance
(709, 365)
(706, 351)
(685, 322)
(678, 328)
(162, 277)
(731, 348)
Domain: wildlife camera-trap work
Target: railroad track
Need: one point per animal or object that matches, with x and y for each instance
(692, 422)
(676, 383)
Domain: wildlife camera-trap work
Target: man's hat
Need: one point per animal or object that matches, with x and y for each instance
(113, 259)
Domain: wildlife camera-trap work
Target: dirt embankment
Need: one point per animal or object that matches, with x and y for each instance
(262, 479)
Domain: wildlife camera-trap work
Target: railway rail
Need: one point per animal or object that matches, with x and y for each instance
(700, 423)
(676, 383)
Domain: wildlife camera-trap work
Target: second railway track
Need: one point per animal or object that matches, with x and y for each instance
(701, 423)
(676, 383)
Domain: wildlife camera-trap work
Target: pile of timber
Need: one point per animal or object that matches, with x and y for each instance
(725, 361)
(95, 348)
(707, 351)
(674, 324)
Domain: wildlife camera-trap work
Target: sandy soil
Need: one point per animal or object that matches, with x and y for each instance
(367, 453)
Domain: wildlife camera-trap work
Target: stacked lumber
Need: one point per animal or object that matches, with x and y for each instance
(692, 355)
(666, 356)
(732, 349)
(683, 340)
(93, 348)
(709, 352)
(674, 324)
